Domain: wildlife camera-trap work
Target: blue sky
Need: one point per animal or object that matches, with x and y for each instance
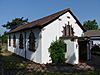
(35, 9)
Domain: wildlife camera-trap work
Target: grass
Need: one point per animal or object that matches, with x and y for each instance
(11, 61)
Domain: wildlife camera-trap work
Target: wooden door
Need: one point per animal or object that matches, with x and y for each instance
(82, 50)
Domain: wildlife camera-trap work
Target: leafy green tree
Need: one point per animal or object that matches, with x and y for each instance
(4, 37)
(15, 22)
(90, 25)
(0, 38)
(56, 50)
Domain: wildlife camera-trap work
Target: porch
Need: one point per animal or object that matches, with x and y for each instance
(77, 49)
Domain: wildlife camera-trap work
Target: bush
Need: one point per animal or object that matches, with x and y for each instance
(57, 52)
(0, 47)
(95, 50)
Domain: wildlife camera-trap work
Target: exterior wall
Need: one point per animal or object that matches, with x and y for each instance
(90, 49)
(53, 30)
(72, 54)
(10, 48)
(34, 56)
(44, 39)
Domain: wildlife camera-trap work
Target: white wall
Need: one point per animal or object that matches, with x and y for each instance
(72, 54)
(10, 48)
(34, 56)
(53, 30)
(48, 34)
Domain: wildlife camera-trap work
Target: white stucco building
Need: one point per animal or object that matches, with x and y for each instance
(32, 40)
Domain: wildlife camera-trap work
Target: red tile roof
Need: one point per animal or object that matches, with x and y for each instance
(44, 21)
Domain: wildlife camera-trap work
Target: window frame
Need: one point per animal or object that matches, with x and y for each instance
(32, 42)
(21, 41)
(9, 40)
(14, 40)
(65, 47)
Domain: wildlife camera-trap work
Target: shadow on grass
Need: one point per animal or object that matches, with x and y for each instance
(11, 64)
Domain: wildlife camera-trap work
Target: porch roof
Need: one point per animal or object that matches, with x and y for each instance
(92, 33)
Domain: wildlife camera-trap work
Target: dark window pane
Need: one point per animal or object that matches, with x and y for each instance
(14, 41)
(21, 41)
(32, 42)
(65, 47)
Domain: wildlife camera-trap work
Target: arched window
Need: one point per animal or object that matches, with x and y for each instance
(21, 41)
(14, 40)
(9, 40)
(32, 42)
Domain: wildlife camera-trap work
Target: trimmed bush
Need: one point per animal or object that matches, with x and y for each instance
(56, 50)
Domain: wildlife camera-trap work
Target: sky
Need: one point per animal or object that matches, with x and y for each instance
(34, 9)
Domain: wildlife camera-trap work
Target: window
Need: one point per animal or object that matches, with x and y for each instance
(9, 40)
(14, 41)
(32, 42)
(68, 17)
(65, 45)
(21, 41)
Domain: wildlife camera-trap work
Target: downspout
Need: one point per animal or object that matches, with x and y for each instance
(25, 44)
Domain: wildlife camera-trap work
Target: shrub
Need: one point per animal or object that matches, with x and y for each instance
(0, 47)
(56, 50)
(95, 50)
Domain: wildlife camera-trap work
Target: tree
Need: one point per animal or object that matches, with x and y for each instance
(0, 36)
(4, 37)
(15, 22)
(90, 25)
(56, 50)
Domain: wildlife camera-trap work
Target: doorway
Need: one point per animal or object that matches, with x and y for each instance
(82, 50)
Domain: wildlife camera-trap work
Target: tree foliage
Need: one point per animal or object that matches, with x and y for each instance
(15, 22)
(0, 48)
(4, 37)
(0, 38)
(90, 25)
(96, 50)
(57, 52)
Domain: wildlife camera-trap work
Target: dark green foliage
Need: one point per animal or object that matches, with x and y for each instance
(90, 25)
(4, 37)
(95, 50)
(0, 48)
(57, 52)
(13, 65)
(0, 38)
(15, 22)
